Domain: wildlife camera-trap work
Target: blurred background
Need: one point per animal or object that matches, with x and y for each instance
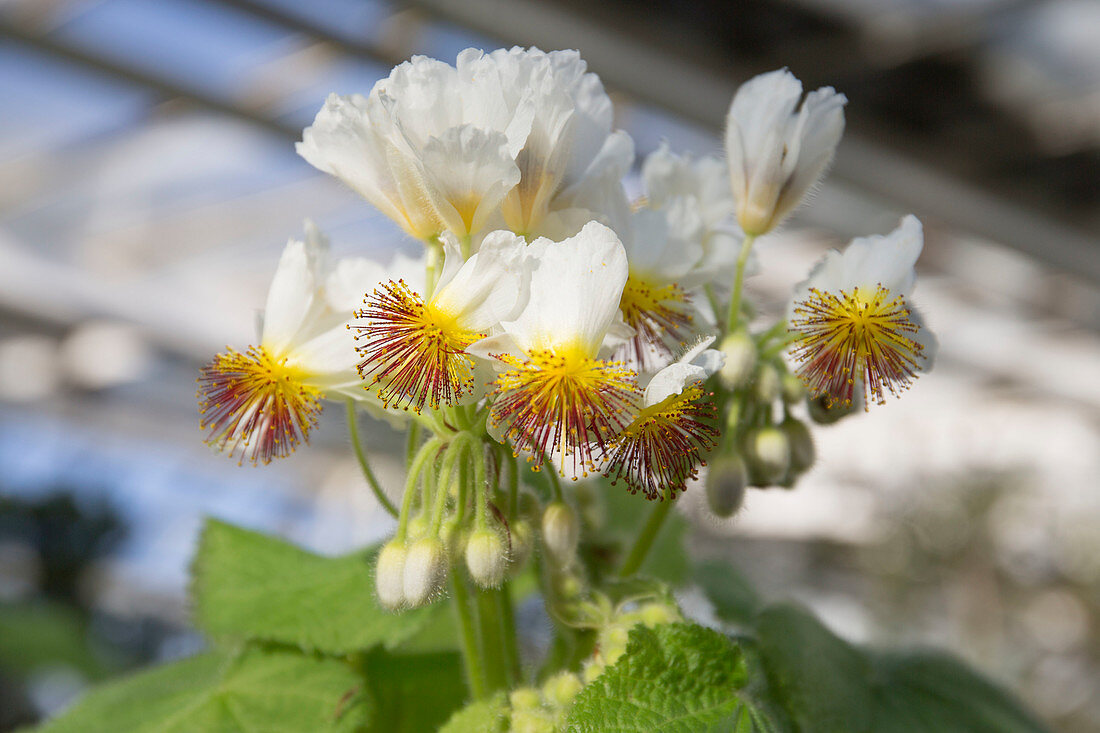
(148, 182)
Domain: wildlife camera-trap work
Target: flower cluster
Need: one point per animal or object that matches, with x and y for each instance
(550, 318)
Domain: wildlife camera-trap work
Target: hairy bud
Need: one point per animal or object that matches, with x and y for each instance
(802, 444)
(425, 570)
(767, 386)
(389, 575)
(768, 453)
(560, 689)
(740, 351)
(560, 532)
(486, 558)
(727, 478)
(792, 389)
(523, 539)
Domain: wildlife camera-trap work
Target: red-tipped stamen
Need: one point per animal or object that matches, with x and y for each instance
(663, 447)
(255, 405)
(854, 336)
(570, 404)
(661, 321)
(415, 354)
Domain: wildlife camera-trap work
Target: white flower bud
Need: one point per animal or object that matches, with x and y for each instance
(523, 540)
(802, 444)
(727, 478)
(486, 558)
(768, 453)
(560, 532)
(425, 570)
(740, 351)
(389, 575)
(767, 385)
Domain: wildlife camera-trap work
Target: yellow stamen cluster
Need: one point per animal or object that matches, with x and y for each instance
(563, 402)
(255, 405)
(860, 335)
(415, 352)
(659, 315)
(663, 447)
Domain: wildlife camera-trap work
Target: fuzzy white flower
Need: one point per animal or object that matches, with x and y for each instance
(778, 150)
(664, 445)
(516, 136)
(855, 329)
(261, 403)
(415, 347)
(555, 395)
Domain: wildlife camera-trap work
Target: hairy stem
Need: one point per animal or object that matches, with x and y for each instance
(471, 653)
(734, 319)
(364, 464)
(645, 540)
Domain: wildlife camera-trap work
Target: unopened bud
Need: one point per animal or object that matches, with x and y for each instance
(768, 453)
(654, 614)
(389, 575)
(767, 386)
(523, 539)
(525, 698)
(802, 444)
(792, 388)
(822, 413)
(425, 570)
(560, 532)
(486, 558)
(418, 526)
(740, 351)
(532, 721)
(727, 478)
(560, 689)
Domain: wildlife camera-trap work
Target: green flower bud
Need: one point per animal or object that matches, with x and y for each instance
(768, 454)
(486, 558)
(560, 532)
(767, 385)
(593, 670)
(613, 642)
(727, 478)
(802, 444)
(525, 698)
(523, 540)
(740, 351)
(389, 575)
(822, 414)
(654, 614)
(792, 388)
(425, 570)
(532, 721)
(560, 689)
(418, 526)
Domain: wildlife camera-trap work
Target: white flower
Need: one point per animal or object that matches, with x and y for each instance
(855, 329)
(415, 348)
(262, 402)
(664, 445)
(516, 136)
(776, 152)
(554, 395)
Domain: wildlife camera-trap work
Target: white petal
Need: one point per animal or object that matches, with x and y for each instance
(491, 286)
(292, 293)
(575, 292)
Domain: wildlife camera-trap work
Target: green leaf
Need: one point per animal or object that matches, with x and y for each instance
(735, 600)
(820, 679)
(933, 691)
(487, 716)
(251, 586)
(674, 677)
(829, 685)
(414, 692)
(270, 691)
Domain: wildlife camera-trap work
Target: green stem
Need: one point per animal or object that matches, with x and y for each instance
(434, 266)
(410, 445)
(645, 540)
(481, 498)
(552, 472)
(734, 318)
(361, 455)
(471, 653)
(492, 643)
(426, 453)
(446, 472)
(715, 304)
(778, 329)
(508, 620)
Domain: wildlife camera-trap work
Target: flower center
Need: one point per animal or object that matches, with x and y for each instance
(663, 447)
(563, 402)
(415, 351)
(861, 335)
(658, 314)
(256, 405)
